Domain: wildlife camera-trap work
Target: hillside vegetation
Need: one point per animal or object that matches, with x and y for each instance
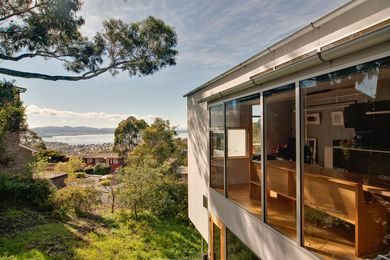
(26, 234)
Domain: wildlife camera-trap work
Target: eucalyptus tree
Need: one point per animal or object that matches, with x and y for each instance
(50, 29)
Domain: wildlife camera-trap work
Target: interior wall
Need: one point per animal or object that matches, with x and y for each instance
(325, 132)
(238, 169)
(279, 127)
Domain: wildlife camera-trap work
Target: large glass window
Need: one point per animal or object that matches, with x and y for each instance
(217, 147)
(236, 249)
(347, 162)
(280, 163)
(243, 152)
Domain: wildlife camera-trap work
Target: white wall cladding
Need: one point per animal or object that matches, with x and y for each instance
(198, 164)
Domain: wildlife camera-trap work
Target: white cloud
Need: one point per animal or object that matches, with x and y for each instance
(36, 110)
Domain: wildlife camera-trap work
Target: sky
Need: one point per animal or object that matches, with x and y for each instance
(213, 36)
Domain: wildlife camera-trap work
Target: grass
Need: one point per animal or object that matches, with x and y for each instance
(102, 236)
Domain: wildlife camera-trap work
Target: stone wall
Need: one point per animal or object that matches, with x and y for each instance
(18, 157)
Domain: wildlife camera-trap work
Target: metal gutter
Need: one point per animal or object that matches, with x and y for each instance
(326, 55)
(311, 26)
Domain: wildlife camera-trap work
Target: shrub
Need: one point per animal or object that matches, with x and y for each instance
(39, 166)
(78, 200)
(80, 175)
(76, 163)
(169, 198)
(63, 167)
(16, 191)
(89, 170)
(51, 156)
(102, 169)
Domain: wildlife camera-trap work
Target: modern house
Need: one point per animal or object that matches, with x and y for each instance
(289, 151)
(111, 159)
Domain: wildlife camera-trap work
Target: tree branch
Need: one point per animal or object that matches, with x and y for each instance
(17, 58)
(31, 75)
(87, 75)
(33, 55)
(20, 12)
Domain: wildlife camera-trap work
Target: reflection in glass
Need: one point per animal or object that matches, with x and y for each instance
(347, 162)
(280, 163)
(236, 249)
(217, 148)
(243, 152)
(217, 242)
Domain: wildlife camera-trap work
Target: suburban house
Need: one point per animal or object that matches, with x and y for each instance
(289, 151)
(111, 159)
(21, 154)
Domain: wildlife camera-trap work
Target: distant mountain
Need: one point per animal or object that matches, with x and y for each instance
(48, 131)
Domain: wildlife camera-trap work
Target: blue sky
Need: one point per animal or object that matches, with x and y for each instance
(214, 35)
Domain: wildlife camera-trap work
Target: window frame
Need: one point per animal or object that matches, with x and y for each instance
(299, 124)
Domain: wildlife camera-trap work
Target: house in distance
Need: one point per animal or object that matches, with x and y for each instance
(111, 159)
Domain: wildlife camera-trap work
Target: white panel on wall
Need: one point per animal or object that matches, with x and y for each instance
(237, 142)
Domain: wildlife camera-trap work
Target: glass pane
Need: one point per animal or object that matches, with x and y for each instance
(217, 161)
(217, 148)
(280, 163)
(216, 116)
(217, 242)
(236, 249)
(243, 157)
(347, 162)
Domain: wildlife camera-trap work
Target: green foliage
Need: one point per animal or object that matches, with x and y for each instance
(147, 237)
(114, 236)
(88, 169)
(46, 240)
(101, 169)
(158, 146)
(40, 166)
(13, 220)
(128, 135)
(148, 182)
(78, 200)
(170, 199)
(16, 191)
(76, 164)
(144, 188)
(80, 175)
(12, 115)
(180, 151)
(137, 183)
(51, 29)
(63, 167)
(51, 156)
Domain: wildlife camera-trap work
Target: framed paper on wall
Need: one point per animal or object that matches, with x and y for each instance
(313, 119)
(237, 143)
(338, 118)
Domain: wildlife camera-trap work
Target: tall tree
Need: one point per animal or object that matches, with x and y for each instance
(50, 29)
(128, 134)
(157, 146)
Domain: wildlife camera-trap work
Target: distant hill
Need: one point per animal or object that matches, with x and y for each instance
(48, 131)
